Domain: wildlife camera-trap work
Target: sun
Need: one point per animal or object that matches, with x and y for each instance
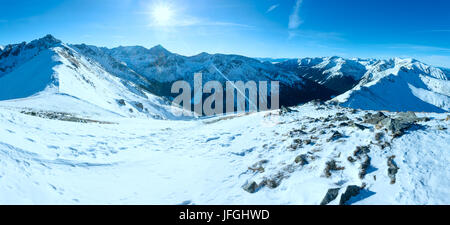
(162, 14)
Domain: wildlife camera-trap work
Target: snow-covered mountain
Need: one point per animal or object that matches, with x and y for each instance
(400, 85)
(161, 68)
(48, 67)
(137, 75)
(395, 84)
(336, 73)
(78, 125)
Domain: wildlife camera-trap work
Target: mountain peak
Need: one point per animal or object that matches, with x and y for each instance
(50, 39)
(46, 42)
(159, 50)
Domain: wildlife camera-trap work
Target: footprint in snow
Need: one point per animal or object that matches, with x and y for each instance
(187, 202)
(212, 139)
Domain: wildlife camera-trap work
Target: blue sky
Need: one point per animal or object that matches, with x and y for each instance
(256, 28)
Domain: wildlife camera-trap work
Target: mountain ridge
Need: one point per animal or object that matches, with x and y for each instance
(47, 67)
(351, 82)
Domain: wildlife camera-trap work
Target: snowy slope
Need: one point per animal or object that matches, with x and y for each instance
(400, 85)
(47, 66)
(447, 72)
(137, 161)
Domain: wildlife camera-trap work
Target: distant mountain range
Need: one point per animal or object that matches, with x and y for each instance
(136, 81)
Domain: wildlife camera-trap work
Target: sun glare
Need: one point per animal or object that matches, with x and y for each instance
(162, 15)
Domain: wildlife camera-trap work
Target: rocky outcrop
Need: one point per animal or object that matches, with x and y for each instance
(351, 191)
(331, 195)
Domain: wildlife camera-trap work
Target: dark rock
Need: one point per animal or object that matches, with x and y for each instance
(296, 145)
(316, 102)
(343, 124)
(139, 106)
(332, 194)
(374, 118)
(364, 166)
(407, 116)
(331, 166)
(351, 159)
(361, 150)
(296, 132)
(301, 159)
(272, 182)
(336, 135)
(258, 167)
(285, 110)
(392, 169)
(251, 187)
(379, 136)
(424, 119)
(396, 126)
(341, 118)
(351, 191)
(385, 145)
(359, 126)
(121, 102)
